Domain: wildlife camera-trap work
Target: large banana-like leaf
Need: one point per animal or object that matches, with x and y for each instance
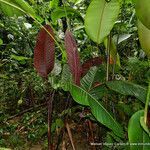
(144, 37)
(25, 6)
(100, 18)
(73, 57)
(143, 11)
(44, 52)
(99, 91)
(9, 10)
(18, 7)
(138, 138)
(100, 113)
(127, 88)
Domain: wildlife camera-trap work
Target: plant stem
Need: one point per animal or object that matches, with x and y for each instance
(146, 104)
(50, 110)
(70, 135)
(49, 123)
(108, 56)
(147, 100)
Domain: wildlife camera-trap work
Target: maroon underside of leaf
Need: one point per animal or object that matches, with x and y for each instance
(90, 63)
(73, 57)
(44, 52)
(148, 117)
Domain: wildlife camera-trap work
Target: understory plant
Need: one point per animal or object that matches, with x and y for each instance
(92, 82)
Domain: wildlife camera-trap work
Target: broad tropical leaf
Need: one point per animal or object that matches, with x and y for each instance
(100, 18)
(100, 113)
(127, 88)
(144, 37)
(142, 8)
(73, 57)
(9, 10)
(137, 134)
(99, 91)
(25, 6)
(44, 52)
(18, 7)
(90, 63)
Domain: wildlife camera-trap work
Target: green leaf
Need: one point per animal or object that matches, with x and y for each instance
(144, 37)
(122, 38)
(142, 8)
(136, 134)
(66, 77)
(100, 18)
(79, 94)
(99, 92)
(1, 42)
(28, 9)
(127, 88)
(88, 80)
(114, 56)
(87, 83)
(100, 113)
(53, 4)
(18, 7)
(32, 1)
(60, 12)
(78, 1)
(25, 6)
(19, 58)
(134, 1)
(9, 10)
(1, 148)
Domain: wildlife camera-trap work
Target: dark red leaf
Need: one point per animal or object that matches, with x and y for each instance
(44, 52)
(90, 63)
(148, 117)
(73, 57)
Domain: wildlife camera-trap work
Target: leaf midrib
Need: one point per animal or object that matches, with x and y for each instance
(101, 18)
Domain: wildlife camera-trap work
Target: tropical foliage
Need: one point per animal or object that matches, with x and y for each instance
(82, 60)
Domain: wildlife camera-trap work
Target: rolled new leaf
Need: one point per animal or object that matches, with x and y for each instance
(73, 57)
(44, 52)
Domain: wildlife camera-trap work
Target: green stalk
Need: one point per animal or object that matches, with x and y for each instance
(147, 100)
(108, 56)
